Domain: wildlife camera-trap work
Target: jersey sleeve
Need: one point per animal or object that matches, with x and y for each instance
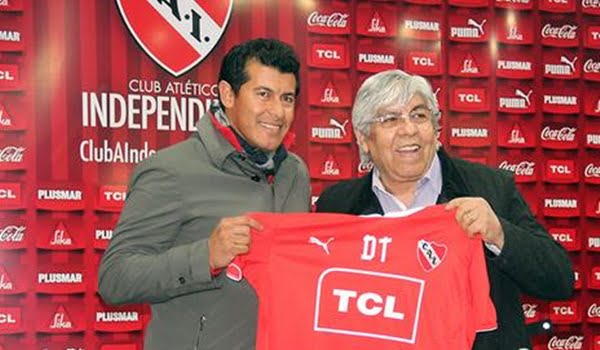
(482, 308)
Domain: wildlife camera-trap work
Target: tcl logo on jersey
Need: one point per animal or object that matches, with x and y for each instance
(469, 100)
(422, 29)
(591, 173)
(374, 59)
(560, 35)
(376, 20)
(565, 312)
(591, 7)
(329, 56)
(559, 137)
(10, 320)
(574, 342)
(329, 21)
(10, 196)
(12, 158)
(524, 171)
(118, 319)
(331, 127)
(561, 171)
(515, 30)
(423, 63)
(591, 69)
(564, 206)
(468, 29)
(515, 100)
(594, 278)
(386, 306)
(9, 77)
(567, 237)
(60, 197)
(557, 5)
(531, 312)
(470, 136)
(592, 37)
(515, 4)
(561, 66)
(111, 198)
(11, 40)
(66, 280)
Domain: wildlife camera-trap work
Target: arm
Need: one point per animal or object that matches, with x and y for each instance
(539, 265)
(141, 263)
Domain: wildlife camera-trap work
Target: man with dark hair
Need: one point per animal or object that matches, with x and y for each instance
(396, 123)
(183, 220)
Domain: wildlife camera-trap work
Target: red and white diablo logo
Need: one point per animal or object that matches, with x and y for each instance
(591, 70)
(177, 35)
(591, 173)
(593, 313)
(574, 342)
(333, 21)
(564, 36)
(430, 254)
(368, 304)
(524, 171)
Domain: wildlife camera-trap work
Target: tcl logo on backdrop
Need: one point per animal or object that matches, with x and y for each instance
(561, 171)
(469, 100)
(9, 77)
(565, 312)
(592, 37)
(111, 198)
(357, 303)
(10, 195)
(423, 63)
(329, 56)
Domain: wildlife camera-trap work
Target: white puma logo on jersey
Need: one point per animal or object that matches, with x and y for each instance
(325, 246)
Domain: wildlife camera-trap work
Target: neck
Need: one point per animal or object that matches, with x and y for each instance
(403, 190)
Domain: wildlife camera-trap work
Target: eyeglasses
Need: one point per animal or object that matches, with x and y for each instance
(417, 116)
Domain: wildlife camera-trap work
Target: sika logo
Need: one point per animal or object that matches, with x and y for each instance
(368, 304)
(469, 65)
(574, 342)
(514, 34)
(475, 30)
(6, 285)
(61, 320)
(377, 25)
(329, 94)
(516, 136)
(330, 167)
(61, 237)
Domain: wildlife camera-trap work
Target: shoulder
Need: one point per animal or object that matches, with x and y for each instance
(342, 193)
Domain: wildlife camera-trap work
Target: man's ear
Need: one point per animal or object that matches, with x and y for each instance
(361, 140)
(226, 94)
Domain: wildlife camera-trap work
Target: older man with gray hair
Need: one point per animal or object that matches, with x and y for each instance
(396, 123)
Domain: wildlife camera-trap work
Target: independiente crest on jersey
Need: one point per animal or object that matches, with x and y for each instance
(430, 254)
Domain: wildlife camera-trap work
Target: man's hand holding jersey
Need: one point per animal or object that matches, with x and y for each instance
(230, 238)
(476, 216)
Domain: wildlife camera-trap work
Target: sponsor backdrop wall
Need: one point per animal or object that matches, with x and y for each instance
(90, 88)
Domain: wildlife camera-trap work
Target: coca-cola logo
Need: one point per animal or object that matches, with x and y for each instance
(334, 20)
(574, 342)
(12, 234)
(594, 311)
(590, 66)
(564, 134)
(524, 168)
(591, 170)
(529, 310)
(567, 31)
(365, 167)
(12, 154)
(590, 3)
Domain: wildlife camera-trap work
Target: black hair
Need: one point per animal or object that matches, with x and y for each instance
(268, 52)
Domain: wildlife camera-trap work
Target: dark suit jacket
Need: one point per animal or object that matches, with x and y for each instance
(531, 262)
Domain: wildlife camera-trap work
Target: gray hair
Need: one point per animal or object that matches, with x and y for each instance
(387, 88)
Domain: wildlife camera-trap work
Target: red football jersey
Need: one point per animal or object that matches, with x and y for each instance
(335, 281)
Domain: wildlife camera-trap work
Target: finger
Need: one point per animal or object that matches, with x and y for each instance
(244, 221)
(457, 202)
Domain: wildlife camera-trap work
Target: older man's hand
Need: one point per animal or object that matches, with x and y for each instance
(475, 216)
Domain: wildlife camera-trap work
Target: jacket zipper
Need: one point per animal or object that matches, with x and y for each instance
(199, 332)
